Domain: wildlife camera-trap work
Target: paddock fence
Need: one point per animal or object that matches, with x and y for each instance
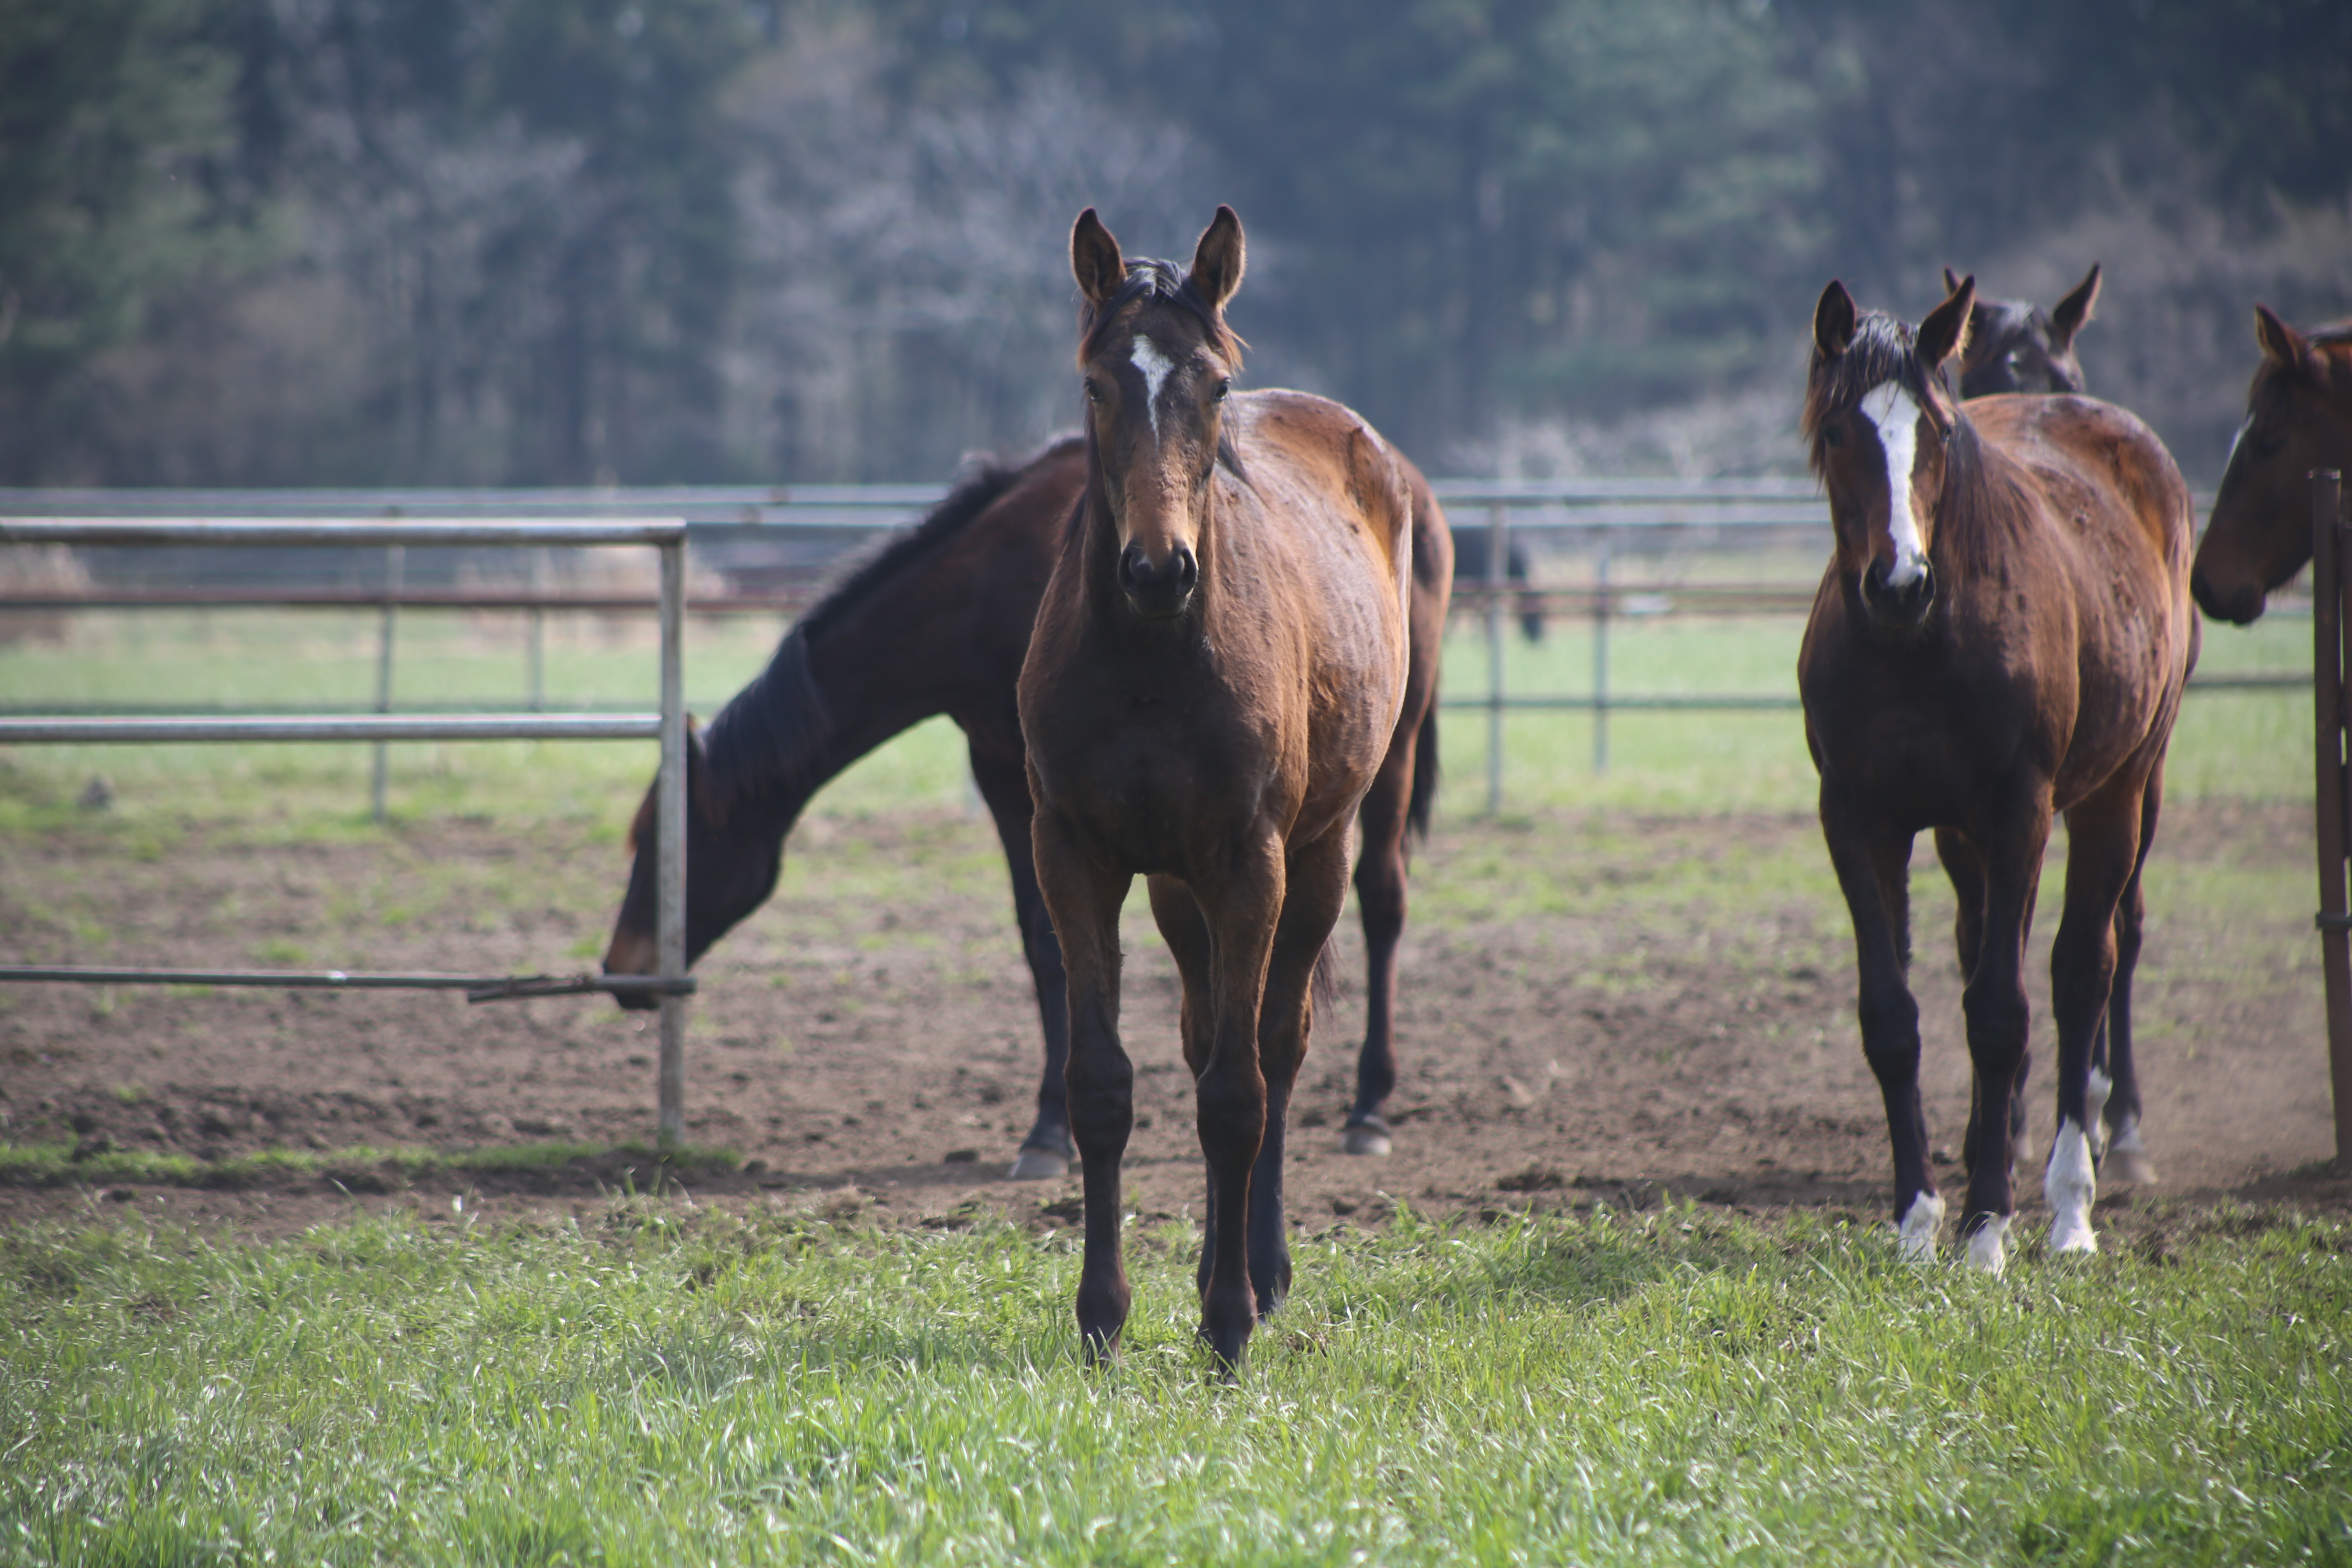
(671, 984)
(2331, 541)
(1611, 554)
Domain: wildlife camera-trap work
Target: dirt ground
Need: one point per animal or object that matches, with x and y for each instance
(1594, 1009)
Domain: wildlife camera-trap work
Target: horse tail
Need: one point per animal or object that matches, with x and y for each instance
(1324, 985)
(1424, 772)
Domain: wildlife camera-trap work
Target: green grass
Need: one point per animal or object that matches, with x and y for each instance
(69, 1164)
(2254, 745)
(661, 1384)
(2236, 744)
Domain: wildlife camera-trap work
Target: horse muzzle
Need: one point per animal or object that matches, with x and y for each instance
(1903, 606)
(630, 953)
(2240, 605)
(1157, 593)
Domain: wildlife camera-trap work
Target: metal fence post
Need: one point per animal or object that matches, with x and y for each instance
(393, 569)
(1600, 658)
(669, 931)
(540, 576)
(1498, 550)
(2327, 621)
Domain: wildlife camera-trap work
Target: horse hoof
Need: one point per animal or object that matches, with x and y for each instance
(2131, 1166)
(2073, 1233)
(1035, 1164)
(1988, 1246)
(1363, 1138)
(1916, 1236)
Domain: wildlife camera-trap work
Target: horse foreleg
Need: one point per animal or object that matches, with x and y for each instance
(1965, 867)
(1316, 886)
(1380, 900)
(1999, 1018)
(1186, 931)
(1046, 1151)
(2126, 1159)
(1084, 899)
(1242, 908)
(1872, 865)
(2102, 860)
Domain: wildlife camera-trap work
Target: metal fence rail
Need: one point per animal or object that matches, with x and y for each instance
(1605, 518)
(671, 984)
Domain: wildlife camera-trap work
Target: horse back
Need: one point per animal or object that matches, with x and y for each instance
(2111, 530)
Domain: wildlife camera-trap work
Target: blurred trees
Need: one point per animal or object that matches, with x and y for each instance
(580, 241)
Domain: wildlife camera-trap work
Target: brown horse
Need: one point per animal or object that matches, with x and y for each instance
(2012, 346)
(2298, 418)
(938, 623)
(2002, 633)
(1217, 668)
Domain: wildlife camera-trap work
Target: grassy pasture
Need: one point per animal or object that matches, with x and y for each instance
(652, 1383)
(2240, 745)
(803, 1381)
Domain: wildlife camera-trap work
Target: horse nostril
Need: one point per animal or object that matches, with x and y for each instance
(1184, 568)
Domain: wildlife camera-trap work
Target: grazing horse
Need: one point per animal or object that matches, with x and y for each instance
(1217, 668)
(2012, 347)
(2298, 418)
(2002, 633)
(937, 621)
(1470, 546)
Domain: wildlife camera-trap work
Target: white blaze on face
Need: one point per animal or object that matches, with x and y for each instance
(1155, 367)
(1893, 411)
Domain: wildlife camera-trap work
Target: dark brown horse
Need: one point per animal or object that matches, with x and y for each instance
(2012, 346)
(2003, 634)
(1218, 668)
(939, 623)
(2298, 418)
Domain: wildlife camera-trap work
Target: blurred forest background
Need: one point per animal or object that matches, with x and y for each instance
(424, 242)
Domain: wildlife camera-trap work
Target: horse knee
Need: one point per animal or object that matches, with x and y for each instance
(1231, 1112)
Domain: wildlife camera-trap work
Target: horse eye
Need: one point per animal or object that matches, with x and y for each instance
(1094, 390)
(1832, 436)
(1222, 388)
(2269, 443)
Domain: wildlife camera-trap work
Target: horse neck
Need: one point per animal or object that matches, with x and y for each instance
(1979, 512)
(828, 699)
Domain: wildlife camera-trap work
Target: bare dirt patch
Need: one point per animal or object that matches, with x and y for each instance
(1594, 1009)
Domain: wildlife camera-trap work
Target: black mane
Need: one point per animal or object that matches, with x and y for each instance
(772, 734)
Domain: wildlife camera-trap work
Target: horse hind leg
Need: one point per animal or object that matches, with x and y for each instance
(1316, 888)
(2102, 855)
(1047, 1152)
(1186, 931)
(2126, 1158)
(1380, 897)
(1242, 909)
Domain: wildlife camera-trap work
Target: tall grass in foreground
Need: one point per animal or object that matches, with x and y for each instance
(667, 1385)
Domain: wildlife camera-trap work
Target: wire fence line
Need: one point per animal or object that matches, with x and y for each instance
(671, 984)
(774, 547)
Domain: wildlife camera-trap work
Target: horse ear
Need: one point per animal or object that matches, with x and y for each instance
(1218, 259)
(2280, 342)
(1944, 333)
(1095, 260)
(1833, 321)
(1951, 280)
(2073, 312)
